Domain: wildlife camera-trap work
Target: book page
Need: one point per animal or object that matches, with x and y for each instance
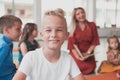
(87, 56)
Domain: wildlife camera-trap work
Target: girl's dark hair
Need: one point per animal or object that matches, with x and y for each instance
(111, 37)
(27, 31)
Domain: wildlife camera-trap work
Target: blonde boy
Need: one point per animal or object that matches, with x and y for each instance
(49, 62)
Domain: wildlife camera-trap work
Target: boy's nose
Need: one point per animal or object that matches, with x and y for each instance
(53, 34)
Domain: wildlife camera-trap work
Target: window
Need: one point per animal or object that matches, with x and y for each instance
(107, 15)
(20, 8)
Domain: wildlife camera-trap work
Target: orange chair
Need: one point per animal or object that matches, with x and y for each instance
(107, 67)
(103, 76)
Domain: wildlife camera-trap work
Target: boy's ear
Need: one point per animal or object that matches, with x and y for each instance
(67, 35)
(41, 34)
(5, 30)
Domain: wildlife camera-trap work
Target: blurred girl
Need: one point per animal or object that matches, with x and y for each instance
(113, 56)
(27, 40)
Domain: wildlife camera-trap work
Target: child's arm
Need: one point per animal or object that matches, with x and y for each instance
(23, 48)
(24, 68)
(79, 77)
(19, 76)
(117, 59)
(110, 57)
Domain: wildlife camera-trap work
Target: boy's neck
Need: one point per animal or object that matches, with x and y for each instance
(50, 55)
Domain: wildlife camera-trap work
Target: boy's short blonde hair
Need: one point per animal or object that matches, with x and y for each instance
(57, 12)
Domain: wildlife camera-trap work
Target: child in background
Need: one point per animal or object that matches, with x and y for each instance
(27, 40)
(10, 30)
(49, 62)
(113, 56)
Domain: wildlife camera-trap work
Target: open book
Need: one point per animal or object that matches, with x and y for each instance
(87, 56)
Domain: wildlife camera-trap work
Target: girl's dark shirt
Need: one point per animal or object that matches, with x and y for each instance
(30, 47)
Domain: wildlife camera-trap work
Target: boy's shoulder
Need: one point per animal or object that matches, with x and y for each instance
(36, 51)
(66, 54)
(4, 42)
(33, 55)
(4, 39)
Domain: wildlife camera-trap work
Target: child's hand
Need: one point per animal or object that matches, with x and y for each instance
(118, 74)
(116, 61)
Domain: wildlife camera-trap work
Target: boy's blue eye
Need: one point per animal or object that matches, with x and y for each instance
(48, 30)
(59, 30)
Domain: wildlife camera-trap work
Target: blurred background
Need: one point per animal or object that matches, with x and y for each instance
(105, 13)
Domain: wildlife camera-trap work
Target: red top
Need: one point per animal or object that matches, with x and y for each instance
(84, 39)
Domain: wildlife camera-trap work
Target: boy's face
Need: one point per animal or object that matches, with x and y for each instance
(54, 32)
(113, 43)
(14, 32)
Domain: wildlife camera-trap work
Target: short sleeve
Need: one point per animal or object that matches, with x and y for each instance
(26, 64)
(95, 34)
(74, 69)
(71, 41)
